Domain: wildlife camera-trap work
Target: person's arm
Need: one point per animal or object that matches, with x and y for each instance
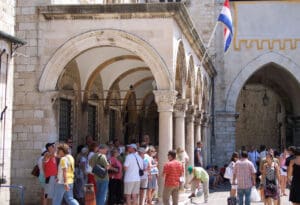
(263, 173)
(66, 185)
(290, 171)
(234, 175)
(277, 174)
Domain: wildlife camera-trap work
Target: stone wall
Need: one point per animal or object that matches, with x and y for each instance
(224, 142)
(7, 13)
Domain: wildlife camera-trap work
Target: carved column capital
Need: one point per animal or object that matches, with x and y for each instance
(190, 113)
(180, 107)
(165, 100)
(198, 115)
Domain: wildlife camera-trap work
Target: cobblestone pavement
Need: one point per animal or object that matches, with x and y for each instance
(217, 196)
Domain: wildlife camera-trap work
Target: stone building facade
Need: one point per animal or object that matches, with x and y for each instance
(126, 68)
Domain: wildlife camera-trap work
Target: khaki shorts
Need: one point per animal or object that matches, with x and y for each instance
(131, 188)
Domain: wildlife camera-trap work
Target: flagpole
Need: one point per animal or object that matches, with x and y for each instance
(209, 42)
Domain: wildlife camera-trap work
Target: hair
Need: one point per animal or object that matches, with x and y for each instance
(244, 154)
(234, 155)
(93, 146)
(262, 147)
(172, 153)
(113, 151)
(276, 153)
(63, 147)
(199, 143)
(292, 149)
(79, 148)
(270, 154)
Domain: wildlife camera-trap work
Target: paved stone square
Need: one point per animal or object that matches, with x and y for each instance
(218, 197)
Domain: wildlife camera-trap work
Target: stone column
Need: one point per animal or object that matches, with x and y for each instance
(190, 134)
(165, 100)
(197, 127)
(179, 113)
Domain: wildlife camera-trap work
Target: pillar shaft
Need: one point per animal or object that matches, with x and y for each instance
(190, 135)
(165, 100)
(179, 114)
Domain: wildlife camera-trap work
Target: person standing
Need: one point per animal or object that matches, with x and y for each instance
(270, 179)
(198, 158)
(133, 163)
(283, 172)
(234, 159)
(115, 195)
(244, 174)
(199, 176)
(42, 176)
(101, 183)
(253, 156)
(144, 178)
(172, 172)
(65, 177)
(294, 177)
(50, 170)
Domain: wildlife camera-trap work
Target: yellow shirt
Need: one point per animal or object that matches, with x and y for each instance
(66, 162)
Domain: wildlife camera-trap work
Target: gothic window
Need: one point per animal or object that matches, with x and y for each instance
(65, 119)
(92, 117)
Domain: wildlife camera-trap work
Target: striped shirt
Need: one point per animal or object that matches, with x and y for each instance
(244, 170)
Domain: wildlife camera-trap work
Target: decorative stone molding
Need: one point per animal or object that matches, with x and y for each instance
(180, 107)
(190, 114)
(198, 116)
(165, 100)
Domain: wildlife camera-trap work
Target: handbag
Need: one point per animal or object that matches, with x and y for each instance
(141, 171)
(99, 170)
(228, 172)
(232, 200)
(36, 171)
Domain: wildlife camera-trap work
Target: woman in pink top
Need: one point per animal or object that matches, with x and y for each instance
(115, 179)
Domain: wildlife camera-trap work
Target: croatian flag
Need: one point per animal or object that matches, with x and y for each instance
(225, 18)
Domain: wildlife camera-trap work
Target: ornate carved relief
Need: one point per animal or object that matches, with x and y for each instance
(165, 100)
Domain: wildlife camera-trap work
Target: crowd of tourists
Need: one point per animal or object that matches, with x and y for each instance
(267, 170)
(129, 174)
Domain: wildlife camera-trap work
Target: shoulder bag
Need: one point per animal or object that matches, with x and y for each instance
(99, 170)
(141, 171)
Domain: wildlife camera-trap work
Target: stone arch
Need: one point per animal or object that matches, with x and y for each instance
(107, 37)
(198, 88)
(254, 65)
(190, 83)
(180, 70)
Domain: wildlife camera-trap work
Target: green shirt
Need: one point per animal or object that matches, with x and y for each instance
(101, 160)
(200, 173)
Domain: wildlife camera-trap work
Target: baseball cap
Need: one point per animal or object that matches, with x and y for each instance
(190, 169)
(49, 144)
(142, 150)
(132, 146)
(103, 146)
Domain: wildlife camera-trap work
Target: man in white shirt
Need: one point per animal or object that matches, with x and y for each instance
(144, 178)
(133, 163)
(253, 156)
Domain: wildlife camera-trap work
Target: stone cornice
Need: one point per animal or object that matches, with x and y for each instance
(177, 11)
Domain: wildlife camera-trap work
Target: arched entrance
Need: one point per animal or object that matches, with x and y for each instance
(115, 71)
(267, 103)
